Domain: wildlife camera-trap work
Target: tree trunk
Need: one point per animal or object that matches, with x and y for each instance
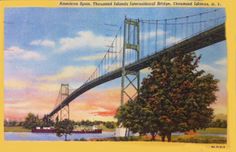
(153, 136)
(65, 137)
(163, 137)
(128, 132)
(169, 137)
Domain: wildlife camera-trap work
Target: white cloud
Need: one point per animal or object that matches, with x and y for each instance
(152, 34)
(16, 84)
(209, 68)
(45, 43)
(84, 39)
(69, 73)
(52, 87)
(20, 105)
(219, 72)
(146, 71)
(15, 52)
(90, 58)
(172, 39)
(112, 67)
(222, 62)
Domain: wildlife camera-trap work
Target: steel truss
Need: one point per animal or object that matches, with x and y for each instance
(131, 44)
(64, 112)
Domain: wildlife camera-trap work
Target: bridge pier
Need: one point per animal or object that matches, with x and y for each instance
(131, 43)
(64, 112)
(130, 80)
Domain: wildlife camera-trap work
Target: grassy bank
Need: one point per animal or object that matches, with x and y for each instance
(201, 136)
(16, 129)
(104, 128)
(182, 139)
(213, 131)
(199, 139)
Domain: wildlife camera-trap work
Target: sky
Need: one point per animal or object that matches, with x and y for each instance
(45, 47)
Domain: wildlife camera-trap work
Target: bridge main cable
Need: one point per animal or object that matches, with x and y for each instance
(156, 37)
(196, 42)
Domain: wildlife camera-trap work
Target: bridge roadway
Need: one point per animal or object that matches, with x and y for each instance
(196, 42)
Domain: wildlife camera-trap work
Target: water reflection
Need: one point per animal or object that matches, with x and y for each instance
(52, 137)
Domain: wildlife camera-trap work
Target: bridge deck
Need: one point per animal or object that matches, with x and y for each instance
(201, 40)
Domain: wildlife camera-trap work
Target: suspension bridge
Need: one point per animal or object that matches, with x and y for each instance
(137, 44)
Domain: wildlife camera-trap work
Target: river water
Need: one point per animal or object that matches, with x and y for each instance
(29, 136)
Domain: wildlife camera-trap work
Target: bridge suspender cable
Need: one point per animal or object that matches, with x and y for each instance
(141, 45)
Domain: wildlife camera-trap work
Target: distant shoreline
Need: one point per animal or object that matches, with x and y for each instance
(22, 129)
(16, 129)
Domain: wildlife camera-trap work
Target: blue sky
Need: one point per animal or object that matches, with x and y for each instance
(52, 46)
(30, 24)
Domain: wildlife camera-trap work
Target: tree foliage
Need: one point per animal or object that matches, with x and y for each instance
(32, 121)
(13, 123)
(137, 117)
(218, 123)
(175, 97)
(47, 122)
(110, 124)
(64, 127)
(107, 124)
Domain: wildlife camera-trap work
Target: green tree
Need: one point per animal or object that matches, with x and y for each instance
(110, 125)
(125, 116)
(64, 127)
(47, 122)
(32, 121)
(175, 97)
(179, 94)
(218, 123)
(136, 116)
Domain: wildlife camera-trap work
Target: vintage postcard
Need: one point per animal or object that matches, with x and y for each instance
(153, 75)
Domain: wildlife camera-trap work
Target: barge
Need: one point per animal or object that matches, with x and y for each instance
(52, 130)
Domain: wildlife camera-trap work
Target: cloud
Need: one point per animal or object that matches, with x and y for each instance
(211, 69)
(48, 86)
(152, 34)
(70, 72)
(172, 39)
(221, 62)
(17, 103)
(112, 67)
(20, 105)
(100, 99)
(23, 79)
(15, 52)
(90, 58)
(220, 72)
(17, 110)
(45, 43)
(96, 113)
(16, 84)
(94, 110)
(84, 39)
(146, 71)
(97, 105)
(111, 112)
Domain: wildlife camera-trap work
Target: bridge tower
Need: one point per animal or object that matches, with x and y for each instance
(64, 113)
(130, 80)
